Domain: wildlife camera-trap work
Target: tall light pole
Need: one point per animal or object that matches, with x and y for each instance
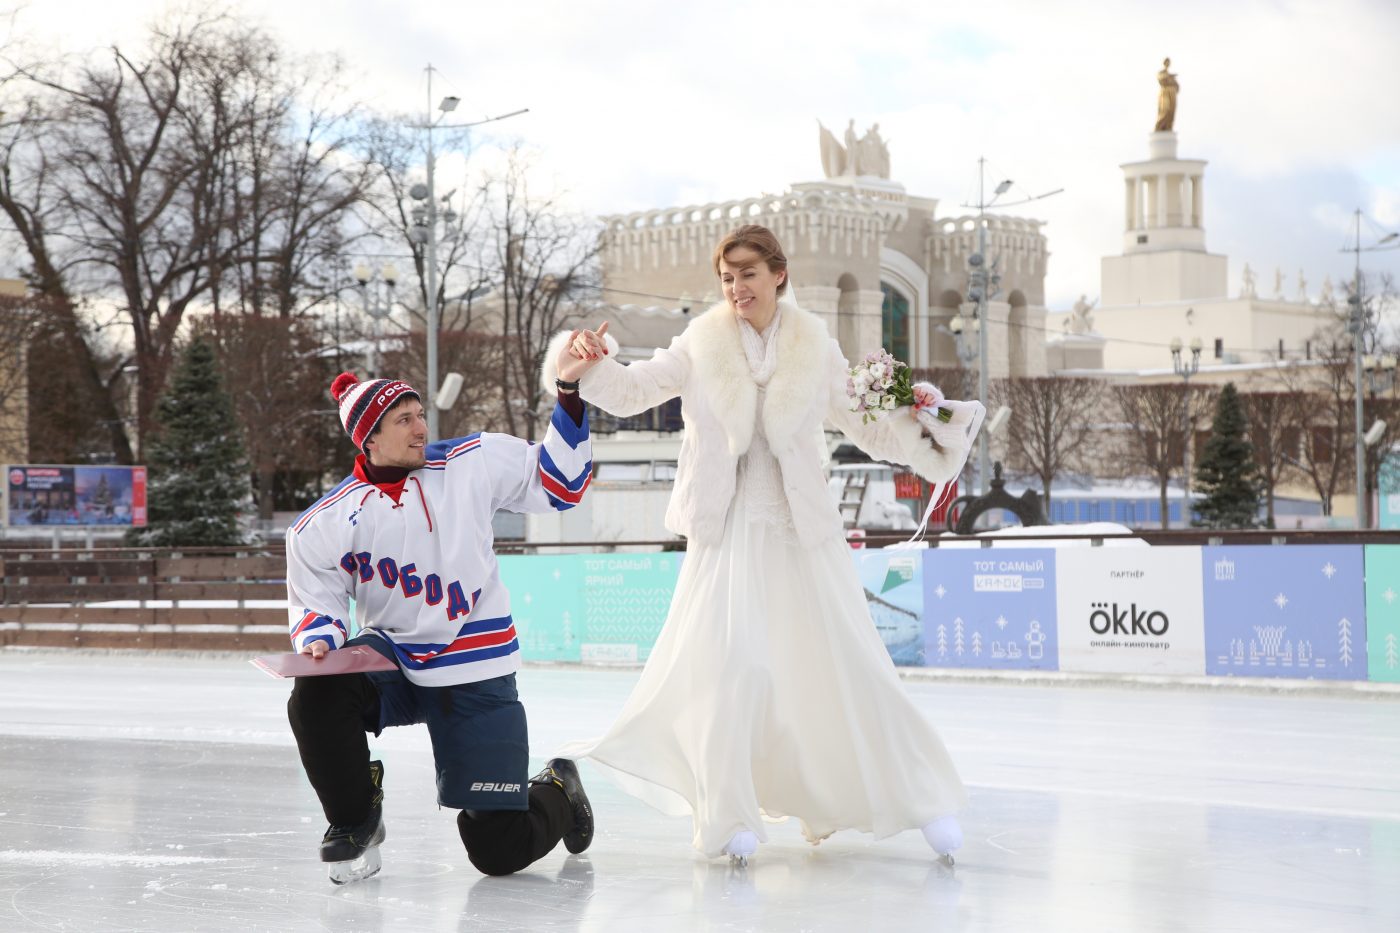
(983, 280)
(448, 105)
(1380, 378)
(426, 233)
(1186, 370)
(965, 348)
(1357, 320)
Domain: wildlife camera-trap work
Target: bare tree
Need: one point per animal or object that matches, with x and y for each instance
(469, 341)
(278, 383)
(1326, 425)
(1051, 423)
(397, 222)
(64, 359)
(547, 261)
(204, 171)
(164, 178)
(292, 187)
(144, 142)
(1273, 418)
(287, 197)
(19, 324)
(479, 356)
(1155, 417)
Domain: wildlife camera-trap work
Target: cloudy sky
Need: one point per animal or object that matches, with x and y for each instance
(1296, 105)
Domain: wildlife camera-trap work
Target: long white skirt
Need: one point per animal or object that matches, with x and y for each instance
(769, 694)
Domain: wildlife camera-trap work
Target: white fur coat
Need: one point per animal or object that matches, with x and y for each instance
(706, 367)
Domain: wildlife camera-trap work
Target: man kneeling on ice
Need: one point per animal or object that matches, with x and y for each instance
(408, 536)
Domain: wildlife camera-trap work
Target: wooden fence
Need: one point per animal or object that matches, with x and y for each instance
(193, 599)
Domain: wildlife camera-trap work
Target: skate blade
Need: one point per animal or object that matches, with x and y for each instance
(947, 859)
(739, 861)
(366, 866)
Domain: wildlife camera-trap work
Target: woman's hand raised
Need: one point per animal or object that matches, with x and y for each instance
(583, 351)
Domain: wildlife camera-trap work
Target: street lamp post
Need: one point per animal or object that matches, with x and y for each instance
(378, 305)
(967, 351)
(1380, 378)
(428, 236)
(425, 232)
(1186, 369)
(965, 348)
(983, 280)
(1357, 321)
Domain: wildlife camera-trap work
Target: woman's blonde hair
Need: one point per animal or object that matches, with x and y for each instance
(759, 239)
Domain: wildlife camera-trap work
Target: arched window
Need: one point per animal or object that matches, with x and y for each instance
(894, 322)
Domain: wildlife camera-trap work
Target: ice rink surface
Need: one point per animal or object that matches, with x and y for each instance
(141, 792)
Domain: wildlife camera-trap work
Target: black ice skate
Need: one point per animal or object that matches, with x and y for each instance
(353, 851)
(562, 773)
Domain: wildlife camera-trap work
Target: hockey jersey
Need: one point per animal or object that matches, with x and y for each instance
(421, 569)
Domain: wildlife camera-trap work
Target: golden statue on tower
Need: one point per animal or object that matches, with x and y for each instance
(1166, 97)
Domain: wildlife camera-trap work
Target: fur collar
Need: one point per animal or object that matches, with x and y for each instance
(723, 371)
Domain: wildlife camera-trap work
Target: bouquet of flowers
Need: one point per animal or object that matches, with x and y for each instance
(880, 383)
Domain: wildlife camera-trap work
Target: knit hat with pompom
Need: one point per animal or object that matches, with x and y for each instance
(362, 404)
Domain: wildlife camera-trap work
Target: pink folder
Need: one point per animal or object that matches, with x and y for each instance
(356, 658)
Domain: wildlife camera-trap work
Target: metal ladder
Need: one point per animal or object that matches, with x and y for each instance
(852, 498)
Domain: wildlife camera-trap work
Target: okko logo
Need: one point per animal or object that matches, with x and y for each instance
(1108, 618)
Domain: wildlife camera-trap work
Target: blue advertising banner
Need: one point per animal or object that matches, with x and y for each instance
(594, 608)
(893, 582)
(1383, 612)
(75, 495)
(990, 608)
(1296, 611)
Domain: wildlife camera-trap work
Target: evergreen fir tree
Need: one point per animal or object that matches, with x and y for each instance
(102, 495)
(1227, 475)
(198, 475)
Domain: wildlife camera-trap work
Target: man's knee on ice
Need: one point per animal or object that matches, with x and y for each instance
(481, 843)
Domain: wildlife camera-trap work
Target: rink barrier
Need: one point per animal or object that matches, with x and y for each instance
(1302, 605)
(189, 599)
(1306, 611)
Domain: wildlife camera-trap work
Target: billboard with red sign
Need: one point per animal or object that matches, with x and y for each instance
(41, 495)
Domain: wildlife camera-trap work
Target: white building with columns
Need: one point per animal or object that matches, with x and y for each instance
(1164, 238)
(880, 264)
(1165, 285)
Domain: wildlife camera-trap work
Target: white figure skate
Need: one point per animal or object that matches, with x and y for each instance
(740, 846)
(944, 836)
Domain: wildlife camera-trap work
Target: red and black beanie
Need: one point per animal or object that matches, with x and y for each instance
(362, 404)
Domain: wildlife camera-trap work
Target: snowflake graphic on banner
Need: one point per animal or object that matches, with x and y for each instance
(984, 609)
(1256, 629)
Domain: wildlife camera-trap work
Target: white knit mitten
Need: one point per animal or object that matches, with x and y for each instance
(958, 432)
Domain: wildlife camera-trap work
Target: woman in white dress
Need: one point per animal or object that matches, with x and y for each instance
(769, 694)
